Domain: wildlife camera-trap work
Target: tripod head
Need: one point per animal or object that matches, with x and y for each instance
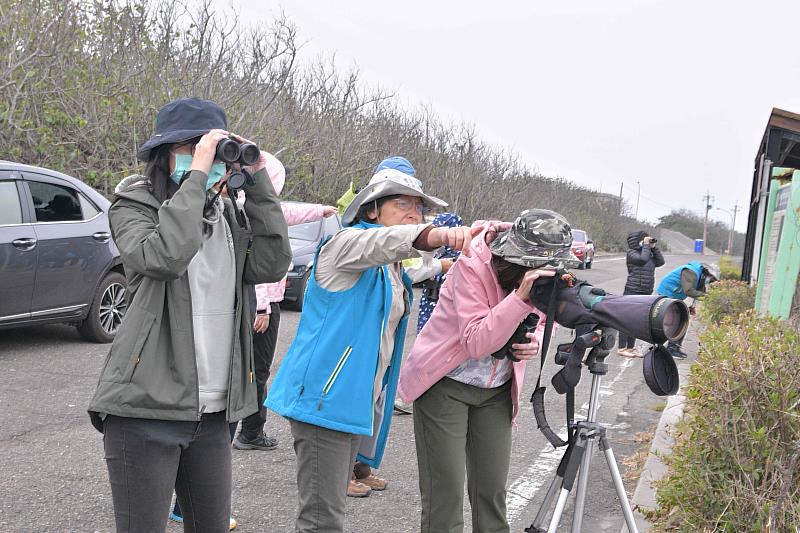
(571, 356)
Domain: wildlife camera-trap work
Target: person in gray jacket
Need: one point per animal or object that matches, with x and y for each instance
(181, 366)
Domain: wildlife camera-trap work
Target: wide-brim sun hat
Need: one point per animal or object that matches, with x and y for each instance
(388, 182)
(181, 120)
(537, 238)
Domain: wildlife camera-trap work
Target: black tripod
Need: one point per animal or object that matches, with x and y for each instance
(577, 459)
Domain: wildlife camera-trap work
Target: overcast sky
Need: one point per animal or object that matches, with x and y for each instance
(675, 94)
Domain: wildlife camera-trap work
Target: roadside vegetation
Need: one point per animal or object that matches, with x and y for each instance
(736, 463)
(80, 82)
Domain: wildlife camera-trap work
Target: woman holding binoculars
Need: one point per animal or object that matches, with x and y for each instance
(180, 368)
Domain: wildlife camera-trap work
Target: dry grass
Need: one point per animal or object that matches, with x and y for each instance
(634, 463)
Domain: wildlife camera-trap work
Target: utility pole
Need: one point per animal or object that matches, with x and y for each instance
(733, 225)
(707, 205)
(638, 193)
(620, 197)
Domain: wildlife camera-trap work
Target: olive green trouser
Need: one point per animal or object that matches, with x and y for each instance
(456, 425)
(324, 465)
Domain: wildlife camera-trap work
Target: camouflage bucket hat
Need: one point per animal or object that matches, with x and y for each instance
(538, 237)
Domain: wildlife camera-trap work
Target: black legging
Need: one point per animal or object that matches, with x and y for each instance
(176, 510)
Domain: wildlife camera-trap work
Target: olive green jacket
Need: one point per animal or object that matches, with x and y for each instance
(150, 371)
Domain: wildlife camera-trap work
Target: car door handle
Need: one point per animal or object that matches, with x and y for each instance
(101, 236)
(24, 244)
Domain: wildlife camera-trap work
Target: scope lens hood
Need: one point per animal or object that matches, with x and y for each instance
(660, 371)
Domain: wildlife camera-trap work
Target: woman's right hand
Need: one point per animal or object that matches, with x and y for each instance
(206, 150)
(530, 277)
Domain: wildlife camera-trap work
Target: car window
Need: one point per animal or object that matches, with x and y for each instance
(55, 203)
(89, 209)
(304, 232)
(578, 235)
(10, 208)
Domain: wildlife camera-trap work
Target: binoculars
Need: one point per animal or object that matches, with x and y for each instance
(232, 151)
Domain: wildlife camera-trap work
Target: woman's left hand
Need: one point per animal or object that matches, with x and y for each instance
(262, 156)
(528, 350)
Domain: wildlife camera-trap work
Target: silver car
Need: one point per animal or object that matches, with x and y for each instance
(57, 259)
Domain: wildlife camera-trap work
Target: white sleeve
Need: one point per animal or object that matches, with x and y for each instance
(422, 268)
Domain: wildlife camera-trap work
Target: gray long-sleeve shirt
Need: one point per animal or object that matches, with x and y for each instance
(351, 251)
(689, 284)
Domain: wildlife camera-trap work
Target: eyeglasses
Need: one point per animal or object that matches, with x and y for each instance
(407, 205)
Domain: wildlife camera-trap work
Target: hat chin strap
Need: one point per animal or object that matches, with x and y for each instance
(377, 212)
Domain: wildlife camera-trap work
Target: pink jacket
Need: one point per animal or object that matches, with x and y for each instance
(473, 319)
(294, 214)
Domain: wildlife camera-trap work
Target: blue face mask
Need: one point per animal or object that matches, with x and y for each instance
(184, 161)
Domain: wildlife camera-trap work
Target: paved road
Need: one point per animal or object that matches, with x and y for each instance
(54, 478)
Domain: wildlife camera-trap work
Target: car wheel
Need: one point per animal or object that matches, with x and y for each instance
(583, 264)
(297, 305)
(108, 308)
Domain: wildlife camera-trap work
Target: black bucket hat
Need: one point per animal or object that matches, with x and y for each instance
(660, 371)
(181, 120)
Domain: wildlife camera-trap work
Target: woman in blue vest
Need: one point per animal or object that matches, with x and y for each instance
(337, 382)
(686, 281)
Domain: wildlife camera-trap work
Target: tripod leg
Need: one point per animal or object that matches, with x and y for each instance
(570, 473)
(623, 497)
(552, 492)
(583, 483)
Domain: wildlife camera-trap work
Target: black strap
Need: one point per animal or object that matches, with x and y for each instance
(548, 331)
(537, 399)
(570, 413)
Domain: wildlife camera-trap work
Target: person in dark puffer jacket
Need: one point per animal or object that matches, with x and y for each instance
(643, 258)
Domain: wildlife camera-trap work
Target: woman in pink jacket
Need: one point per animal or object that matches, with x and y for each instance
(465, 400)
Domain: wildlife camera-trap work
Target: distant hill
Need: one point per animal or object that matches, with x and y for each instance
(678, 243)
(690, 225)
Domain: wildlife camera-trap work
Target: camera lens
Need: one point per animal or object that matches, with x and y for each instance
(228, 151)
(670, 319)
(249, 154)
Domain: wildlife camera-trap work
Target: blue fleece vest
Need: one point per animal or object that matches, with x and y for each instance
(327, 376)
(671, 284)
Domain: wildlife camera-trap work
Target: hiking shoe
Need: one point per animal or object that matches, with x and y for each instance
(374, 482)
(357, 490)
(233, 524)
(262, 442)
(179, 519)
(403, 408)
(677, 353)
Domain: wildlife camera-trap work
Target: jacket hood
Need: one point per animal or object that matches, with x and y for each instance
(136, 188)
(634, 238)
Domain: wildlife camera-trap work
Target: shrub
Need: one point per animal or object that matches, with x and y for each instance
(727, 298)
(728, 269)
(736, 463)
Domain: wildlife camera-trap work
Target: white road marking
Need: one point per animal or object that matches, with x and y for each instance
(522, 491)
(606, 259)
